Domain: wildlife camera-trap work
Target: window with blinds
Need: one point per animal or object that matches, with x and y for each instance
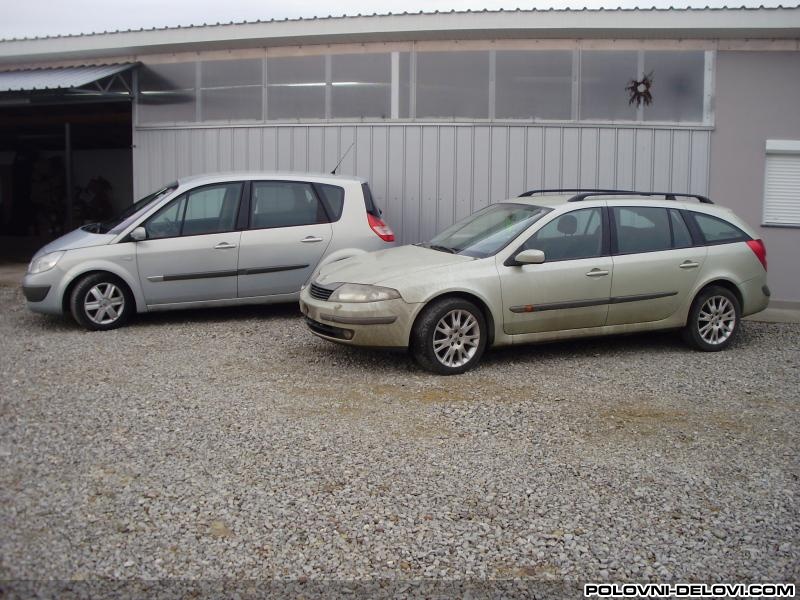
(782, 183)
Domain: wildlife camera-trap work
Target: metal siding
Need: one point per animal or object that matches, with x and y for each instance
(429, 164)
(425, 176)
(588, 172)
(446, 173)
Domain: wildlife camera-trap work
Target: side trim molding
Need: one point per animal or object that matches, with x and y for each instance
(523, 308)
(212, 274)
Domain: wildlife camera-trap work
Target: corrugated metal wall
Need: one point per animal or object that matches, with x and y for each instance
(425, 176)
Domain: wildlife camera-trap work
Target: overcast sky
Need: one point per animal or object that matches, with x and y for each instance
(29, 18)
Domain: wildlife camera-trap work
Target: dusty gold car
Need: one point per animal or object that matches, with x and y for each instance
(545, 267)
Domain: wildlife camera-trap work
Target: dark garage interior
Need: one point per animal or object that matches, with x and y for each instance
(65, 160)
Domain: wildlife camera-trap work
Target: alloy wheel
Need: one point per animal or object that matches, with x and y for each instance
(456, 338)
(716, 320)
(104, 303)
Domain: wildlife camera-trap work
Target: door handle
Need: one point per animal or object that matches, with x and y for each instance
(310, 239)
(689, 264)
(224, 246)
(597, 273)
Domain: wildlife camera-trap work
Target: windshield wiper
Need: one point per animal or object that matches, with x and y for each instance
(442, 248)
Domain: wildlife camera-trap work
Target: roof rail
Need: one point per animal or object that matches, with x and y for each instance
(569, 190)
(667, 195)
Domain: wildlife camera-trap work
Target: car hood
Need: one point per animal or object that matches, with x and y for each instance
(393, 263)
(76, 239)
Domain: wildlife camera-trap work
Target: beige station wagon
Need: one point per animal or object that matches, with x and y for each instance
(549, 266)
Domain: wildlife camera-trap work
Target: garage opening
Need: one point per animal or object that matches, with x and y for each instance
(65, 153)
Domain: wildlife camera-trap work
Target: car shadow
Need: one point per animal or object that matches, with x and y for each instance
(218, 313)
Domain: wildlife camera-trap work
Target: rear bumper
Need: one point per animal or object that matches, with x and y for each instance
(755, 296)
(384, 324)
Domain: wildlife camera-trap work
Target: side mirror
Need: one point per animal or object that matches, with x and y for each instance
(530, 257)
(139, 234)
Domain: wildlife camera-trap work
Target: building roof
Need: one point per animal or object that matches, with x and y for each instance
(703, 23)
(57, 79)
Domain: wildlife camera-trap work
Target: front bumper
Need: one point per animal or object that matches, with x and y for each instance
(41, 292)
(385, 324)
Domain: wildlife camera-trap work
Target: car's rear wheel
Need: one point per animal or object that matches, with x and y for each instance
(101, 301)
(713, 319)
(449, 336)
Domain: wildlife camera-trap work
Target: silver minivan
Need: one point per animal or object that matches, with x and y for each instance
(211, 240)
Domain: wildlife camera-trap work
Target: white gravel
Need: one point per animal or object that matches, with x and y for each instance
(234, 444)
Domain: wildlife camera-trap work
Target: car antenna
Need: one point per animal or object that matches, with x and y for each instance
(346, 152)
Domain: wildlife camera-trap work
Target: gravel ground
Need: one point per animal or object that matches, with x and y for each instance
(234, 444)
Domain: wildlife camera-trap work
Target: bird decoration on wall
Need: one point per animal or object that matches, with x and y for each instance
(640, 90)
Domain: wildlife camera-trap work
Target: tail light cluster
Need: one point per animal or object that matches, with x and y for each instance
(380, 228)
(760, 250)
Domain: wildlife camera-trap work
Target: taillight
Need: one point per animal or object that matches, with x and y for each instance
(760, 250)
(382, 229)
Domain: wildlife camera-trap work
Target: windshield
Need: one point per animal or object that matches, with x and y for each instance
(487, 231)
(120, 222)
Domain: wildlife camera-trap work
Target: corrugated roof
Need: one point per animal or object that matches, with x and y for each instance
(390, 14)
(57, 79)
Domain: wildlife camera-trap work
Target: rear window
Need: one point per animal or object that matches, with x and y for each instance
(642, 229)
(333, 199)
(369, 202)
(717, 231)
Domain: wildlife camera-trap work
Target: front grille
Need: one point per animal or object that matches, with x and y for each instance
(320, 293)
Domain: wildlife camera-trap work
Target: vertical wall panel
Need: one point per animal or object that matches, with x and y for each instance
(552, 157)
(516, 162)
(498, 166)
(464, 172)
(429, 205)
(480, 165)
(607, 159)
(643, 160)
(447, 177)
(625, 158)
(412, 184)
(426, 176)
(698, 175)
(570, 157)
(681, 147)
(316, 149)
(662, 160)
(588, 174)
(534, 174)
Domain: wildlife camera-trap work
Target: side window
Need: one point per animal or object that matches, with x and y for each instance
(681, 238)
(212, 209)
(166, 223)
(284, 204)
(577, 234)
(333, 198)
(641, 229)
(717, 231)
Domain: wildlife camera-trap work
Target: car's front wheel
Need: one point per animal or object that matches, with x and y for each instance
(449, 336)
(713, 319)
(101, 301)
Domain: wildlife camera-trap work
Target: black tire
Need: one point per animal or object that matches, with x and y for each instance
(422, 336)
(715, 312)
(87, 289)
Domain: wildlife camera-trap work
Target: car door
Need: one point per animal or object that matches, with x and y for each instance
(191, 250)
(288, 231)
(655, 263)
(570, 290)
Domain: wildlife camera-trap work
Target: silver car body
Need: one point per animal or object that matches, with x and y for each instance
(244, 266)
(607, 294)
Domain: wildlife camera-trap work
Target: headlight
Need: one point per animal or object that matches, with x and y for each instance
(355, 292)
(45, 263)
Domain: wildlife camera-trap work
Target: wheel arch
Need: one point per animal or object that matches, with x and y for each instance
(77, 277)
(469, 296)
(723, 283)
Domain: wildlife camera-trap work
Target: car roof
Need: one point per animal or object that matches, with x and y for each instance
(279, 175)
